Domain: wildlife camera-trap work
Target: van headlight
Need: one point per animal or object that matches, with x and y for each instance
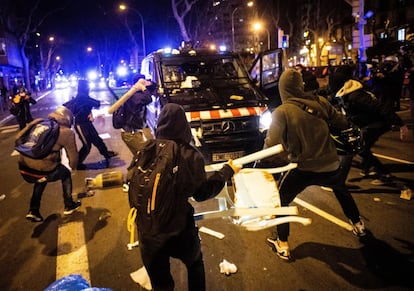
(265, 120)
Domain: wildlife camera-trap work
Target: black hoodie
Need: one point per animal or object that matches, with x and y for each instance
(192, 179)
(304, 136)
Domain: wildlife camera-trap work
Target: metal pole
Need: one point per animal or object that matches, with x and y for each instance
(361, 24)
(232, 27)
(142, 32)
(268, 39)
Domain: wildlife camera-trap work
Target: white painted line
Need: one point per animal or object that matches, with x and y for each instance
(72, 255)
(105, 135)
(324, 214)
(9, 130)
(394, 159)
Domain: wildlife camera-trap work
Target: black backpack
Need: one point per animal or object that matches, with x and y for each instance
(119, 117)
(38, 138)
(152, 188)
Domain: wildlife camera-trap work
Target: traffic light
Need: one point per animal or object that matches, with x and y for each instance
(285, 41)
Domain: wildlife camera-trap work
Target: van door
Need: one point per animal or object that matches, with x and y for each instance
(265, 71)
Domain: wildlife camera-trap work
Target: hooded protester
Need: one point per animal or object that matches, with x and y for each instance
(82, 106)
(50, 168)
(300, 124)
(181, 239)
(363, 109)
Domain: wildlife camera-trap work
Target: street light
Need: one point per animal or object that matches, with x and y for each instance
(249, 4)
(123, 7)
(257, 26)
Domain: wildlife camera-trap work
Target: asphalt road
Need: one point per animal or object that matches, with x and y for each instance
(93, 241)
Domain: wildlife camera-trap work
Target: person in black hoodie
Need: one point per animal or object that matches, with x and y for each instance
(81, 107)
(183, 241)
(367, 112)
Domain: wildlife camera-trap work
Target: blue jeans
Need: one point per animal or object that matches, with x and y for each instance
(60, 173)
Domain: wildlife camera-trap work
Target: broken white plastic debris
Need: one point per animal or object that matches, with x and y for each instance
(141, 277)
(227, 267)
(211, 232)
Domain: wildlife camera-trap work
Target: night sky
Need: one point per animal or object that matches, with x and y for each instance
(77, 24)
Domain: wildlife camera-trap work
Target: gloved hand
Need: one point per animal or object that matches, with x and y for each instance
(235, 168)
(140, 85)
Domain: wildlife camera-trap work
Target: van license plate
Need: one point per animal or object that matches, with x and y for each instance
(219, 157)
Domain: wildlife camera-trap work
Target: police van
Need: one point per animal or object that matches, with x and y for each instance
(225, 106)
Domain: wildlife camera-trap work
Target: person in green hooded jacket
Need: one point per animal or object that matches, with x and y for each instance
(301, 125)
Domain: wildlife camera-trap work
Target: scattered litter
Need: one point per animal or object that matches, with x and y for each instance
(227, 267)
(2, 197)
(130, 246)
(376, 199)
(141, 277)
(211, 232)
(406, 193)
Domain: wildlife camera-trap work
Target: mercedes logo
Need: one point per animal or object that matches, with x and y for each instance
(227, 126)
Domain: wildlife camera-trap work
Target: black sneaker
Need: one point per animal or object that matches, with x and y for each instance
(282, 252)
(368, 173)
(34, 216)
(72, 208)
(81, 167)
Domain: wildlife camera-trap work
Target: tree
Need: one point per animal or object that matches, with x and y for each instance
(22, 25)
(180, 9)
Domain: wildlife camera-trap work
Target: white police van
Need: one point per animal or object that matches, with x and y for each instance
(226, 108)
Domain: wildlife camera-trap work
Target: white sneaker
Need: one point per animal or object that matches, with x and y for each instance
(282, 252)
(125, 187)
(359, 228)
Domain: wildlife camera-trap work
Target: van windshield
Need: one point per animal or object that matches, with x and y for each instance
(208, 80)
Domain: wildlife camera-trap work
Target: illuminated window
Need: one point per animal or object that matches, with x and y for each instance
(2, 47)
(401, 34)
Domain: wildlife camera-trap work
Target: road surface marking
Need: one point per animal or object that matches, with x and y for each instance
(10, 128)
(394, 159)
(323, 214)
(72, 254)
(105, 135)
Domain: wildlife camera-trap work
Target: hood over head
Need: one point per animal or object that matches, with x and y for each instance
(83, 87)
(349, 87)
(173, 124)
(291, 86)
(63, 116)
(337, 81)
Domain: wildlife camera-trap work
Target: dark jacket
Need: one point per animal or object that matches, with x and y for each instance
(364, 109)
(135, 110)
(66, 140)
(82, 108)
(192, 180)
(23, 101)
(305, 137)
